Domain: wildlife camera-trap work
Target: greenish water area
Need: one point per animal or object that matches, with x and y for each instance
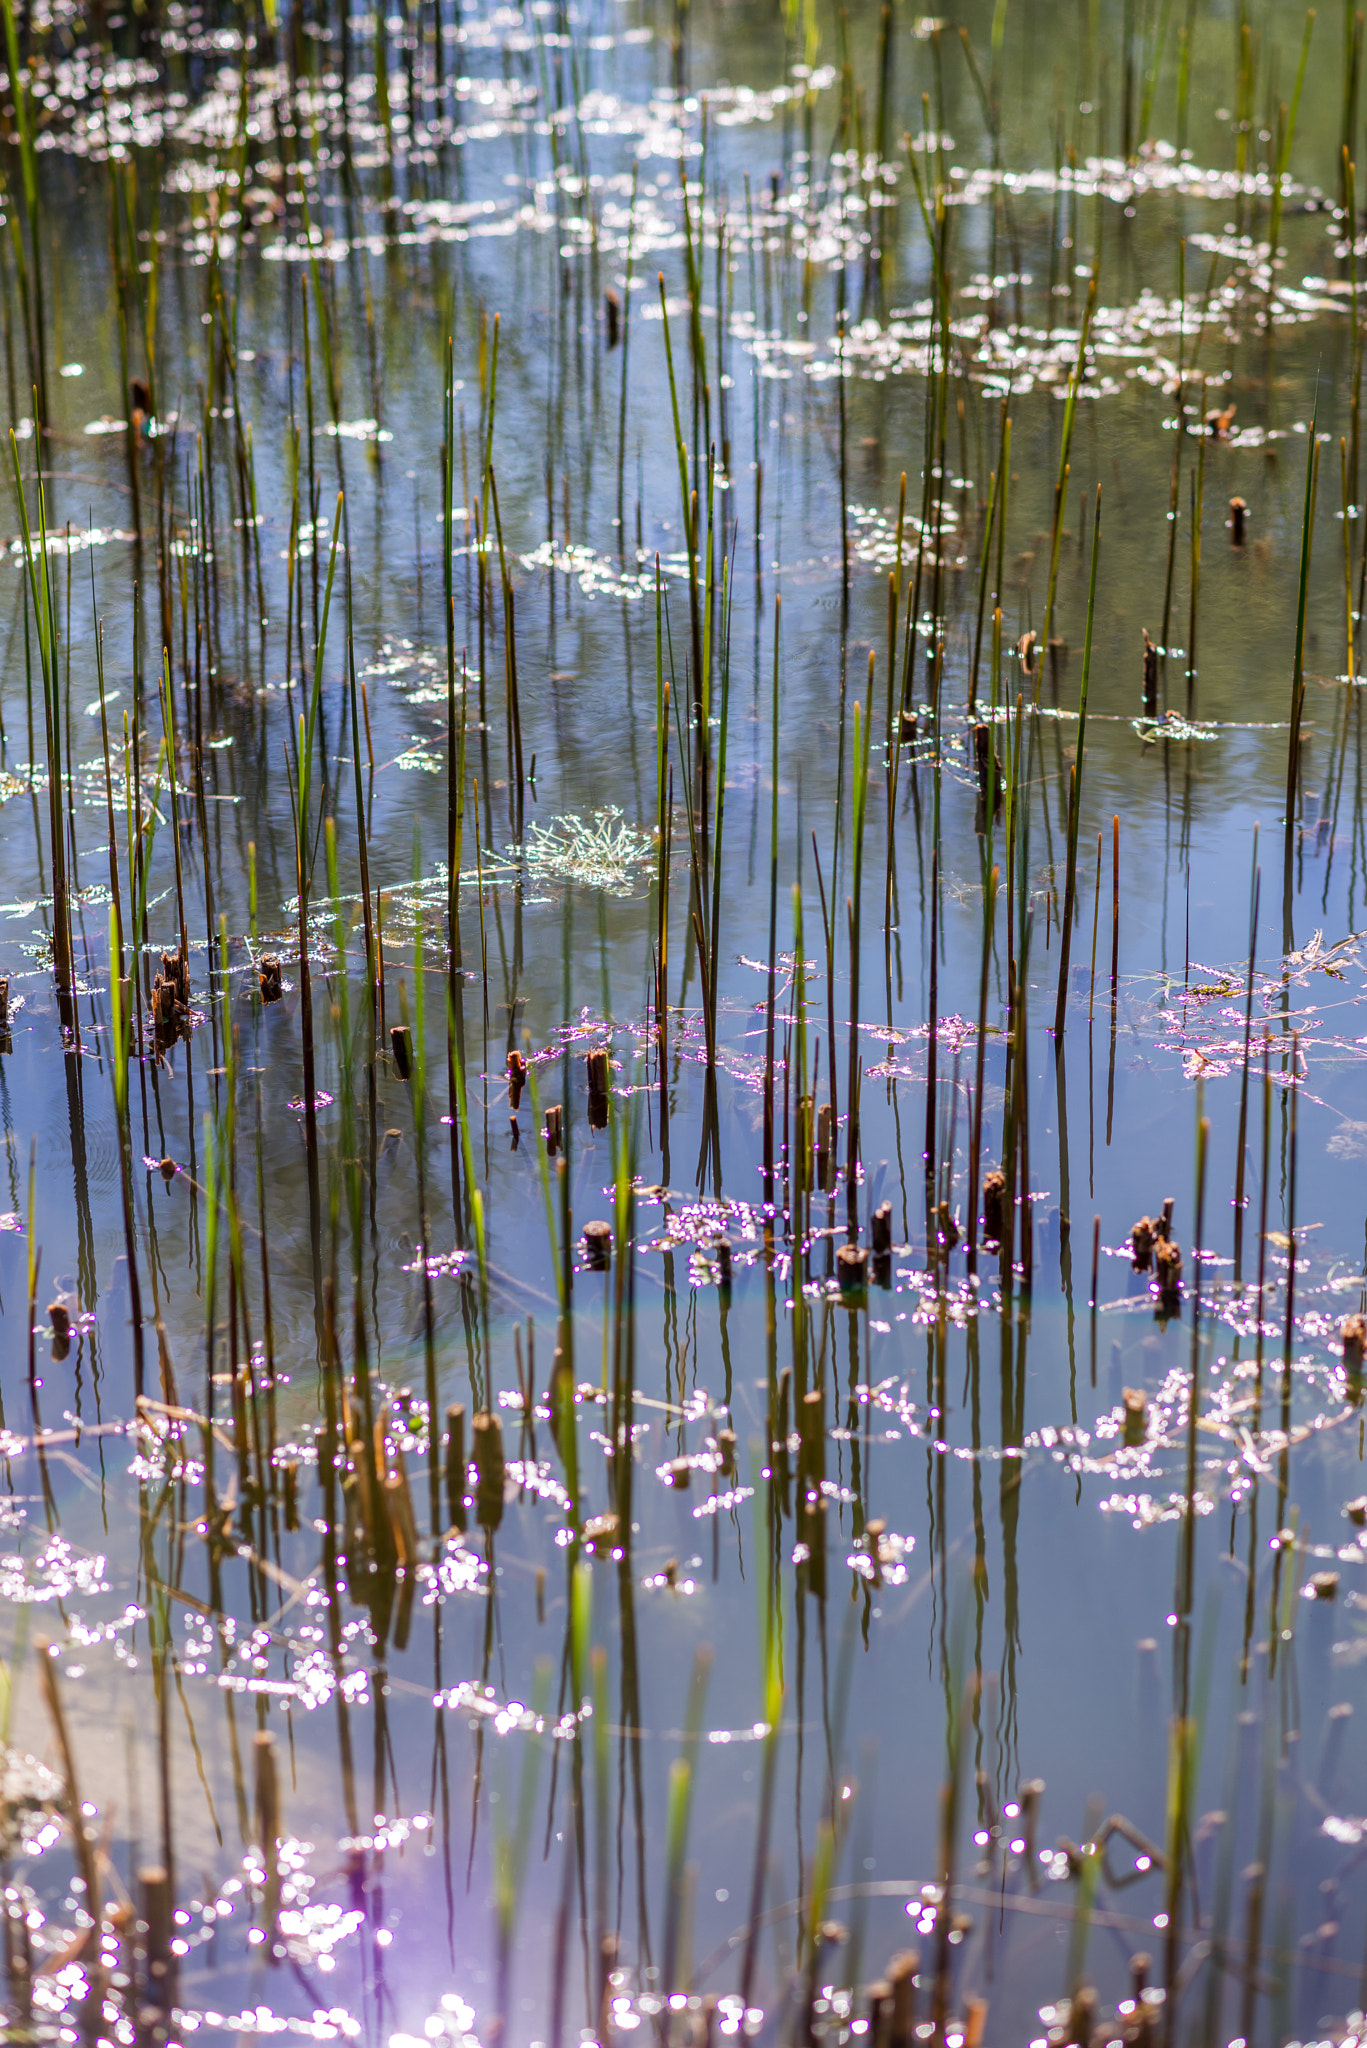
(683, 1037)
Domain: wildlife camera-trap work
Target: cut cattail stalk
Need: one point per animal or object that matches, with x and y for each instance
(994, 1205)
(721, 1252)
(554, 1133)
(880, 1230)
(401, 1041)
(517, 1078)
(612, 315)
(1238, 514)
(907, 727)
(291, 1471)
(487, 1435)
(1150, 678)
(1354, 1335)
(1142, 1235)
(1324, 1585)
(4, 1001)
(1356, 1511)
(1163, 1227)
(271, 975)
(678, 1473)
(726, 1452)
(598, 1245)
(1025, 647)
(852, 1266)
(455, 1465)
(1136, 1404)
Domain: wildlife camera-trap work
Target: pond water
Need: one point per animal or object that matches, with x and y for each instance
(700, 543)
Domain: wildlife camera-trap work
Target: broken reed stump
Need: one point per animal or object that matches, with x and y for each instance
(487, 1434)
(1354, 1336)
(721, 1252)
(825, 1149)
(600, 1534)
(597, 1064)
(1025, 648)
(852, 1266)
(1167, 1259)
(271, 975)
(455, 1465)
(1142, 1236)
(901, 1979)
(880, 1231)
(4, 1002)
(1136, 1405)
(598, 1245)
(906, 726)
(59, 1315)
(1082, 2016)
(1150, 678)
(726, 1452)
(517, 1078)
(994, 1205)
(270, 1829)
(158, 1985)
(175, 968)
(401, 1042)
(612, 317)
(555, 1128)
(1238, 514)
(987, 769)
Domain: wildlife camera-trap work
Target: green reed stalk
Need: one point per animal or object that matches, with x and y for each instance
(1075, 792)
(1283, 164)
(688, 513)
(45, 613)
(30, 284)
(863, 735)
(980, 1057)
(1061, 486)
(678, 1809)
(1293, 748)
